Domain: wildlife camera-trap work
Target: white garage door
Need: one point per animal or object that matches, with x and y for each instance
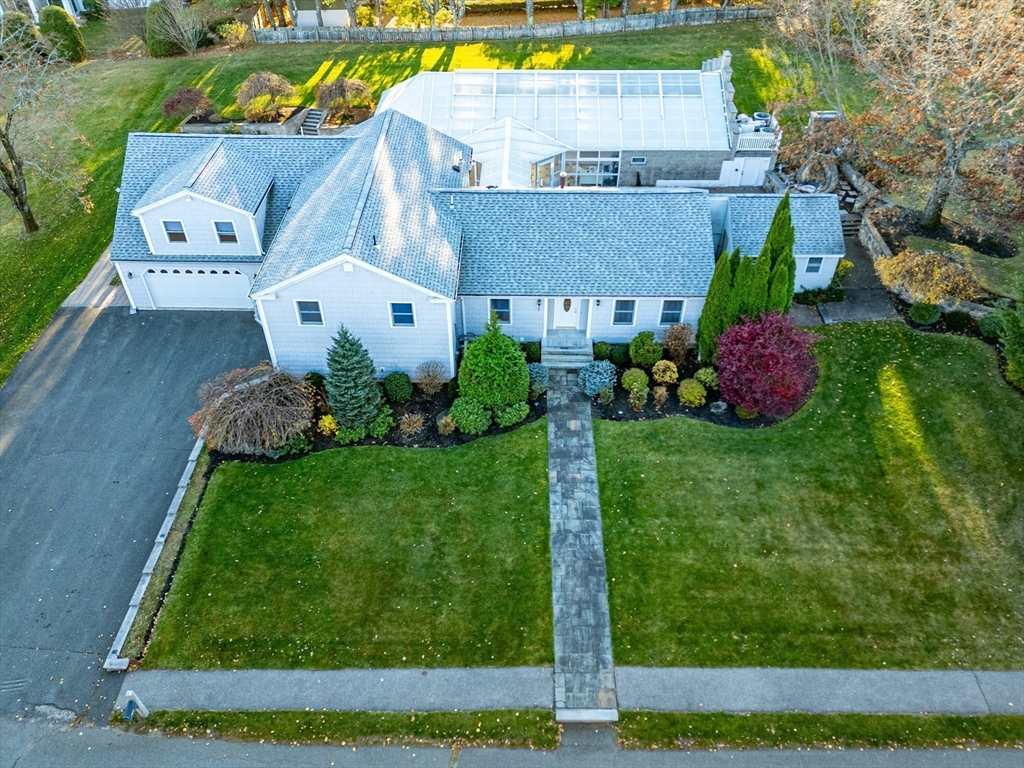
(180, 288)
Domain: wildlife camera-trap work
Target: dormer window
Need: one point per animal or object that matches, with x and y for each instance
(175, 232)
(225, 231)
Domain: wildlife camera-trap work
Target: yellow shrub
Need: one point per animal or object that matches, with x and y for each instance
(927, 276)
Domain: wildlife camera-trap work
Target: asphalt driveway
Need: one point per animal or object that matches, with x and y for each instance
(93, 440)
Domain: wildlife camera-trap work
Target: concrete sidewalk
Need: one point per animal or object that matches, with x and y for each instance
(351, 690)
(867, 691)
(664, 689)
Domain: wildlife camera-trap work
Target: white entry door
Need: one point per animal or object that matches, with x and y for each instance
(567, 312)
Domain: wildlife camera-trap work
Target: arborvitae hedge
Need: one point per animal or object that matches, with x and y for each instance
(712, 322)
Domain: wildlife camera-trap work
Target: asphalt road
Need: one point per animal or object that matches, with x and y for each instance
(93, 440)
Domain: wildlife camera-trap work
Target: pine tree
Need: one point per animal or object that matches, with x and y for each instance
(757, 300)
(712, 323)
(739, 299)
(352, 389)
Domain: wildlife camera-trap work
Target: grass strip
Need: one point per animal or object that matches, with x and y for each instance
(677, 730)
(534, 728)
(159, 583)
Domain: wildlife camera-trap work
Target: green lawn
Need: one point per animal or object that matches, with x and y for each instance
(531, 728)
(882, 526)
(672, 730)
(37, 272)
(368, 557)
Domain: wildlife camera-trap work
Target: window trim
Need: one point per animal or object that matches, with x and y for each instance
(319, 307)
(167, 235)
(491, 309)
(820, 263)
(391, 313)
(661, 314)
(632, 323)
(234, 233)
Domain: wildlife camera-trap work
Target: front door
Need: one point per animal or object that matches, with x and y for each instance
(567, 312)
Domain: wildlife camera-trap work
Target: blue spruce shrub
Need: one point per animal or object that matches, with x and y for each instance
(595, 376)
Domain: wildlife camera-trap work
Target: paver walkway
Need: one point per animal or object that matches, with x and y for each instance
(584, 674)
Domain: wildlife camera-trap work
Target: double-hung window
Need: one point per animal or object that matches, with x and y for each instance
(503, 309)
(225, 231)
(671, 312)
(175, 232)
(309, 313)
(402, 315)
(814, 265)
(624, 311)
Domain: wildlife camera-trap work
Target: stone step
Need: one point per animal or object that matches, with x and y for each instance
(565, 361)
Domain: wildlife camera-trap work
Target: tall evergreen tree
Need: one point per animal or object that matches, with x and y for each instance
(780, 288)
(712, 323)
(757, 300)
(739, 299)
(352, 389)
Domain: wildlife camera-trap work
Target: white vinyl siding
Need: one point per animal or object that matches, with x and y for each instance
(646, 317)
(198, 217)
(527, 316)
(807, 277)
(361, 301)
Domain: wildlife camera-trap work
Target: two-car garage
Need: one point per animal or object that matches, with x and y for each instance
(189, 286)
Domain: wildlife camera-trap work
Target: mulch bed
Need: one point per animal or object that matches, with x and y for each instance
(430, 407)
(620, 409)
(896, 223)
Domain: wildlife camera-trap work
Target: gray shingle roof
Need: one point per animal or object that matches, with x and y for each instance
(163, 160)
(815, 218)
(373, 204)
(594, 242)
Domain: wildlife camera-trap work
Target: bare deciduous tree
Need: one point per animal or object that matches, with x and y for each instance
(529, 13)
(38, 96)
(579, 9)
(252, 410)
(949, 76)
(180, 25)
(458, 9)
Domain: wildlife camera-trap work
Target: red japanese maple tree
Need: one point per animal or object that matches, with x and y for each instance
(765, 365)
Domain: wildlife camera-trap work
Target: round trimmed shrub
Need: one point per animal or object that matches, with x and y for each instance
(990, 326)
(692, 393)
(602, 350)
(398, 387)
(665, 372)
(538, 373)
(707, 377)
(595, 376)
(644, 350)
(531, 349)
(634, 379)
(925, 314)
(493, 370)
(56, 25)
(957, 321)
(509, 415)
(470, 416)
(619, 355)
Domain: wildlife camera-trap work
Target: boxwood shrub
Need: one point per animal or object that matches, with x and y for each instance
(602, 350)
(508, 415)
(531, 349)
(398, 387)
(692, 393)
(470, 416)
(644, 350)
(619, 355)
(925, 314)
(595, 376)
(634, 379)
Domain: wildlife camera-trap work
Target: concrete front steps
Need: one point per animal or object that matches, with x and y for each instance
(566, 349)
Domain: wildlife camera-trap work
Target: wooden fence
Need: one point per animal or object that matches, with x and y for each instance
(686, 17)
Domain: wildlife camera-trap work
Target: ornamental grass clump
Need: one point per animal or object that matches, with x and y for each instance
(411, 423)
(254, 411)
(765, 366)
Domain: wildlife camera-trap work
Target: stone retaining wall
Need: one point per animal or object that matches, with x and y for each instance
(289, 127)
(686, 17)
